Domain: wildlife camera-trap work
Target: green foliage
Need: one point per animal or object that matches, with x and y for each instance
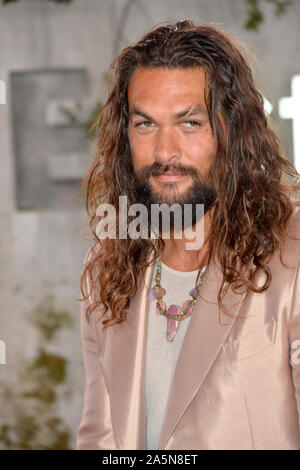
(29, 419)
(71, 116)
(48, 367)
(256, 16)
(47, 320)
(89, 127)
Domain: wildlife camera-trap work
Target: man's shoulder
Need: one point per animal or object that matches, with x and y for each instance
(295, 217)
(292, 238)
(90, 256)
(294, 220)
(93, 271)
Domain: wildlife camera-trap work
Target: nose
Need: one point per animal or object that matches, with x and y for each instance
(166, 146)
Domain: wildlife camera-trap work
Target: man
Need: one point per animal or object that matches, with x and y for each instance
(169, 366)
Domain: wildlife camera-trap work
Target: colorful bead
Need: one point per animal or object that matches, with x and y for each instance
(173, 314)
(174, 310)
(172, 327)
(151, 295)
(186, 305)
(159, 291)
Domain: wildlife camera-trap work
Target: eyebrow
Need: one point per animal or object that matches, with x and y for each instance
(190, 111)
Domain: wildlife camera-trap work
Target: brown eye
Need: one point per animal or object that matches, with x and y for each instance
(144, 124)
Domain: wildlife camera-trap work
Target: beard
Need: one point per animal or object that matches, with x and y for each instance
(200, 192)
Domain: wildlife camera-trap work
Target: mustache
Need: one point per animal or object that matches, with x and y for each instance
(157, 169)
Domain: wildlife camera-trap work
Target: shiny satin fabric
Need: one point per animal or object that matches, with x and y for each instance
(235, 385)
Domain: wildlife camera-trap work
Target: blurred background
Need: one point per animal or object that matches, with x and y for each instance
(54, 59)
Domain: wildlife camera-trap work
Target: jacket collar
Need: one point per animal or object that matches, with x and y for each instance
(124, 360)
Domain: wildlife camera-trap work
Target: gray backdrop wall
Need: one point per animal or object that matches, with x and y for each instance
(55, 56)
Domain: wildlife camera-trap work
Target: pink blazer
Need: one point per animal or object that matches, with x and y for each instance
(237, 380)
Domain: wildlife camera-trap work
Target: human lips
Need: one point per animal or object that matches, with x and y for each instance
(170, 176)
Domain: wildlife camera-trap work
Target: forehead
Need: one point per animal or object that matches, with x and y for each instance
(162, 86)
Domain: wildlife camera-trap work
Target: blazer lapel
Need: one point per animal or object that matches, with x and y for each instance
(124, 364)
(207, 331)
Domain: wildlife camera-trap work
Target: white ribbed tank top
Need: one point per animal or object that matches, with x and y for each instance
(161, 355)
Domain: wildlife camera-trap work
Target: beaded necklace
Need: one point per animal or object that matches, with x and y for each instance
(174, 313)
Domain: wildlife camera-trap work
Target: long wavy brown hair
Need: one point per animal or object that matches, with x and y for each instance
(252, 204)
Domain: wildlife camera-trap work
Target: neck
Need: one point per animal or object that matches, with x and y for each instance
(177, 256)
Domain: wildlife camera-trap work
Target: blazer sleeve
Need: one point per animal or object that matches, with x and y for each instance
(294, 339)
(95, 429)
